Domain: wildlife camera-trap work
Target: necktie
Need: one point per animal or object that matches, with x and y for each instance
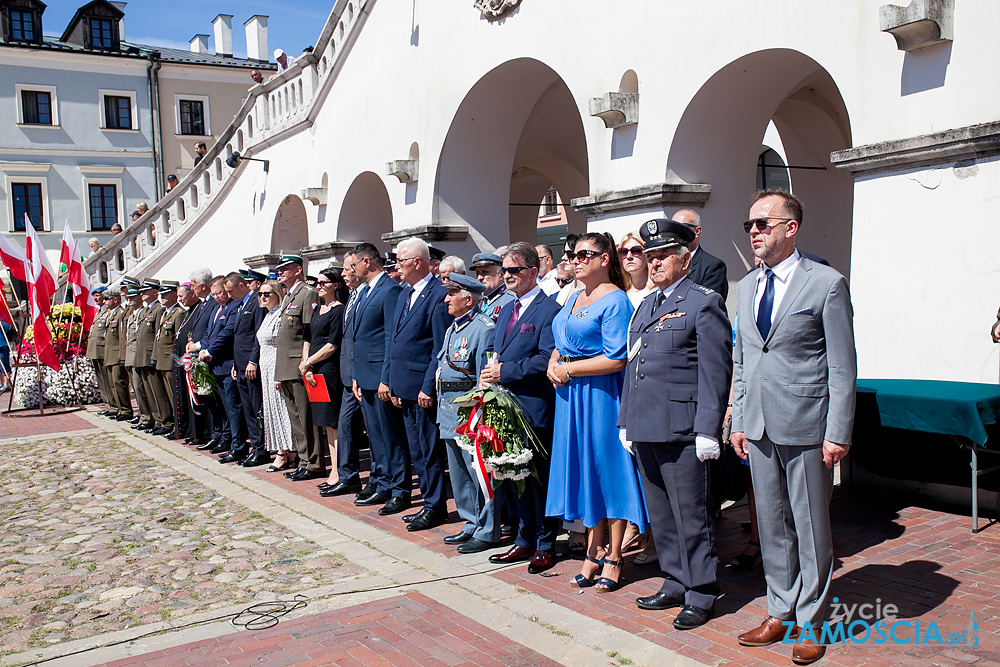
(766, 306)
(658, 300)
(513, 320)
(406, 307)
(352, 303)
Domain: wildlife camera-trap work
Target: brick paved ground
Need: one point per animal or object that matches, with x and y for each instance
(27, 423)
(403, 631)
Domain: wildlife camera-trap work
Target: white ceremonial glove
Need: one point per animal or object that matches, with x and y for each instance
(707, 447)
(627, 444)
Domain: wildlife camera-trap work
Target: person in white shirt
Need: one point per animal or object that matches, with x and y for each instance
(546, 272)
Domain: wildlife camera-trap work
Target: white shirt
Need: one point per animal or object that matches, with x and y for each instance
(419, 287)
(527, 299)
(782, 275)
(549, 284)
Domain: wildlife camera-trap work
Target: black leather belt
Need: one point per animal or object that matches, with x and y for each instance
(563, 359)
(457, 385)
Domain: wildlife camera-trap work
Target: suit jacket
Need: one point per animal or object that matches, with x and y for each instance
(346, 350)
(148, 325)
(246, 347)
(293, 328)
(186, 326)
(133, 317)
(679, 368)
(525, 357)
(114, 337)
(372, 333)
(218, 340)
(95, 340)
(709, 271)
(799, 383)
(417, 339)
(170, 322)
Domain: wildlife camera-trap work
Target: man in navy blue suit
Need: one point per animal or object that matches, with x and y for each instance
(246, 356)
(523, 340)
(419, 325)
(217, 350)
(371, 334)
(202, 428)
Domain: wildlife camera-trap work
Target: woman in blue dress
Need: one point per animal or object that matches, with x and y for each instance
(592, 477)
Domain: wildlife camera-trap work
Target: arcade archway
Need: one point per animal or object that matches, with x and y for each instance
(290, 232)
(366, 213)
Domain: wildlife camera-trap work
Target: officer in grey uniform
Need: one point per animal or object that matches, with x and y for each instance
(464, 346)
(673, 403)
(487, 267)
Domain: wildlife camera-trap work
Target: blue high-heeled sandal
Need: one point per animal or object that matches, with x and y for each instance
(580, 581)
(605, 585)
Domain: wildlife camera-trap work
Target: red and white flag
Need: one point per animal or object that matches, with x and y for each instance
(69, 255)
(42, 278)
(39, 324)
(12, 257)
(5, 314)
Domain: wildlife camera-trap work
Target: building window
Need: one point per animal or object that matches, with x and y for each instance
(101, 36)
(192, 117)
(22, 26)
(36, 107)
(117, 113)
(550, 204)
(27, 199)
(103, 206)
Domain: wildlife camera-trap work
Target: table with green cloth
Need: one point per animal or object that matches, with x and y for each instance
(962, 410)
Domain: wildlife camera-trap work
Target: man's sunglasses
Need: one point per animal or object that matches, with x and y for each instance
(512, 270)
(761, 223)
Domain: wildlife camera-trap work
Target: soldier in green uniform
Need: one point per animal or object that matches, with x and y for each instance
(162, 378)
(114, 367)
(95, 350)
(149, 321)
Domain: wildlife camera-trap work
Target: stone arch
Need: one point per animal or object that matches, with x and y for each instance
(366, 213)
(719, 141)
(517, 132)
(290, 232)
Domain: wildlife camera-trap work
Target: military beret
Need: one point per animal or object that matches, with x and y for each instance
(98, 290)
(660, 234)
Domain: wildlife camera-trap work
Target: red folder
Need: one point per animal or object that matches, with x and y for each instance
(319, 393)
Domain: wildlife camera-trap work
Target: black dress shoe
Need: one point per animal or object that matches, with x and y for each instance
(303, 474)
(658, 602)
(370, 490)
(254, 461)
(159, 430)
(374, 499)
(292, 473)
(410, 517)
(474, 546)
(133, 420)
(229, 457)
(691, 617)
(457, 538)
(123, 418)
(219, 449)
(143, 427)
(339, 489)
(428, 520)
(206, 446)
(395, 505)
(102, 413)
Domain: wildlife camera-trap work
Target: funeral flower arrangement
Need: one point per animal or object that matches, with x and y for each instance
(493, 428)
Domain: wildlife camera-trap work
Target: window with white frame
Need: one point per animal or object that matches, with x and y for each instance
(103, 193)
(192, 115)
(118, 110)
(36, 105)
(26, 189)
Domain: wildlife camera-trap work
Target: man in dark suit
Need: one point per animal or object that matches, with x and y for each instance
(706, 270)
(419, 324)
(679, 354)
(246, 356)
(209, 420)
(523, 344)
(389, 479)
(351, 426)
(184, 422)
(217, 350)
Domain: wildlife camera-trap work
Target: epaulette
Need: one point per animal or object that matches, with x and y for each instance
(703, 289)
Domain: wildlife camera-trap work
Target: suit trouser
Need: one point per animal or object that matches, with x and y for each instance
(162, 382)
(252, 400)
(387, 438)
(426, 453)
(141, 400)
(102, 384)
(118, 389)
(535, 531)
(350, 436)
(675, 484)
(307, 441)
(476, 509)
(230, 395)
(792, 488)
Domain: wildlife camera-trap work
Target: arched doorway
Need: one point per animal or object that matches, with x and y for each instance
(366, 213)
(290, 233)
(719, 141)
(517, 133)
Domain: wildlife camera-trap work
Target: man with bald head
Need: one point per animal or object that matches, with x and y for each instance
(706, 270)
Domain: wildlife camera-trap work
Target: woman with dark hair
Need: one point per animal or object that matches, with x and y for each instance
(592, 477)
(321, 356)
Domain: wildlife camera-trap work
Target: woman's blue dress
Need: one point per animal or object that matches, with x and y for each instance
(592, 477)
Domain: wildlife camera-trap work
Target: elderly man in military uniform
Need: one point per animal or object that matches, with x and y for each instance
(136, 313)
(114, 367)
(162, 379)
(459, 363)
(144, 364)
(95, 352)
(296, 313)
(487, 267)
(673, 403)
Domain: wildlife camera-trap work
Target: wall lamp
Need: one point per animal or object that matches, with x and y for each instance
(234, 161)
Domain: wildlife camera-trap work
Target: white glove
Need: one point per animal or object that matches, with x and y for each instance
(707, 447)
(626, 443)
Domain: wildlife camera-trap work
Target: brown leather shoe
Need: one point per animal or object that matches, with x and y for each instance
(806, 652)
(771, 631)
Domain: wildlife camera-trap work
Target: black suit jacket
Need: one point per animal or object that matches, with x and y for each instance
(709, 271)
(246, 349)
(194, 322)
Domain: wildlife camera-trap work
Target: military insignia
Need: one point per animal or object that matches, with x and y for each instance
(651, 227)
(671, 316)
(496, 311)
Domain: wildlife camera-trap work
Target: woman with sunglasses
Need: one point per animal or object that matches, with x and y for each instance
(321, 356)
(277, 425)
(630, 249)
(592, 477)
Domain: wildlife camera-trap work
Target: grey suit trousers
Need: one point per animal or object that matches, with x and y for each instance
(792, 488)
(472, 506)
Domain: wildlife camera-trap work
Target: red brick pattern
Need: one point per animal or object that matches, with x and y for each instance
(27, 423)
(408, 631)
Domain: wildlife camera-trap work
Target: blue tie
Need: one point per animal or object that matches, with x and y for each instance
(406, 307)
(766, 306)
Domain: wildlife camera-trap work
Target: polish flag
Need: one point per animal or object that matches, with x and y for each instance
(42, 278)
(39, 323)
(5, 314)
(12, 257)
(69, 255)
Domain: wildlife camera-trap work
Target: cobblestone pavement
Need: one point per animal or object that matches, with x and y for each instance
(97, 537)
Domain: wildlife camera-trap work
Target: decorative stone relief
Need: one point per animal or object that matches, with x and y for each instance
(616, 109)
(494, 10)
(920, 24)
(405, 170)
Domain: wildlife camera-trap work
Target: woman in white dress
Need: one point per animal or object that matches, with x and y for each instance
(277, 426)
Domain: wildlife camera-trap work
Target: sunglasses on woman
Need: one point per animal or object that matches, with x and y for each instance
(635, 251)
(584, 255)
(262, 294)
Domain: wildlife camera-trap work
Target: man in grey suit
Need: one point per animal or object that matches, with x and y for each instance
(793, 411)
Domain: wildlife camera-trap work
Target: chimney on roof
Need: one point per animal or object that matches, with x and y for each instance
(121, 24)
(256, 27)
(199, 44)
(223, 24)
